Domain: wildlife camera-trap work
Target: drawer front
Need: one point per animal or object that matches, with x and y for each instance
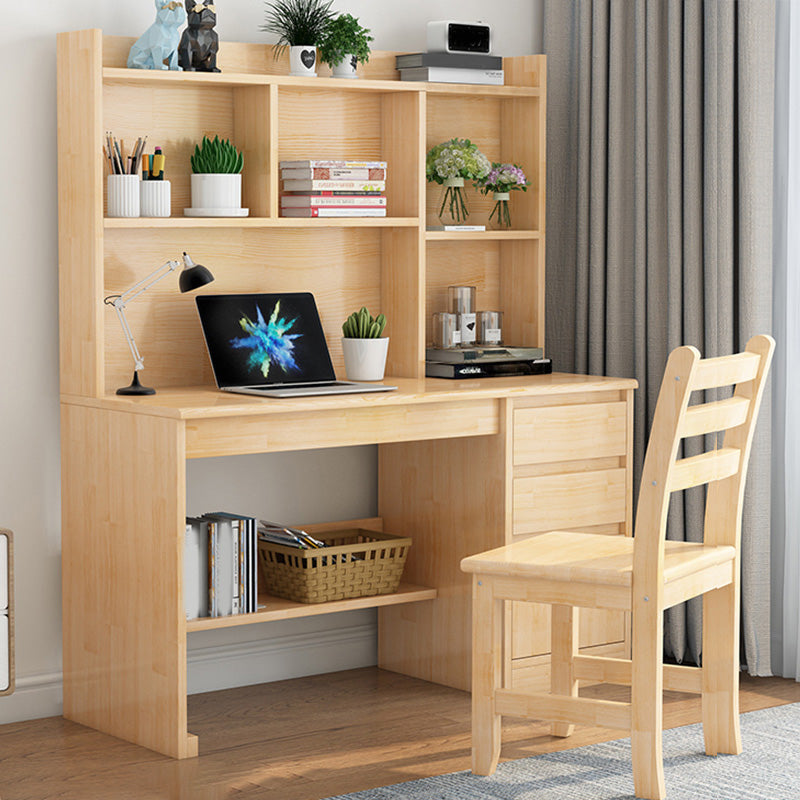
(568, 500)
(569, 433)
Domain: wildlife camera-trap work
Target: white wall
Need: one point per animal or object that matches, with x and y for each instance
(29, 428)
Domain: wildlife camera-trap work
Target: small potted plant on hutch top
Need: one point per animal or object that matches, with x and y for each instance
(450, 164)
(344, 44)
(300, 26)
(364, 346)
(501, 181)
(216, 180)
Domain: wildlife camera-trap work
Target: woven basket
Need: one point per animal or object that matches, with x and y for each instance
(356, 563)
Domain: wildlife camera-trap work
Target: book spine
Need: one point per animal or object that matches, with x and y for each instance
(361, 186)
(348, 211)
(212, 569)
(333, 163)
(334, 173)
(306, 201)
(235, 591)
(329, 193)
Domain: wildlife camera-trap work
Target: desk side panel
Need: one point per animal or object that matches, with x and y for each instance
(123, 510)
(450, 496)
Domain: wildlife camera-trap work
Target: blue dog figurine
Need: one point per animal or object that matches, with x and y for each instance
(157, 47)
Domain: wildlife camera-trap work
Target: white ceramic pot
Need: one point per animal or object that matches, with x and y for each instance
(216, 195)
(365, 359)
(123, 196)
(154, 198)
(346, 68)
(303, 61)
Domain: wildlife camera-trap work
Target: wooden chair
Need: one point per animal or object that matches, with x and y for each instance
(643, 575)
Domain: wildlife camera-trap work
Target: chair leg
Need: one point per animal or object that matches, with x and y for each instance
(563, 649)
(647, 699)
(721, 671)
(487, 675)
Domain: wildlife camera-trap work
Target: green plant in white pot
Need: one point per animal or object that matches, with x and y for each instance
(216, 180)
(344, 45)
(300, 26)
(364, 346)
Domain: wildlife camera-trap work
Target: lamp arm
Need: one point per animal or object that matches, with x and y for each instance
(120, 302)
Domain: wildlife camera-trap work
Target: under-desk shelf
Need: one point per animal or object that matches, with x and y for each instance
(259, 222)
(277, 608)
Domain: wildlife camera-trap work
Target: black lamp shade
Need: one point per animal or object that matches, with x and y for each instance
(193, 275)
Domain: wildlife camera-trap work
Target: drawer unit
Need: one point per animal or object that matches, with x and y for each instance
(569, 433)
(6, 614)
(569, 500)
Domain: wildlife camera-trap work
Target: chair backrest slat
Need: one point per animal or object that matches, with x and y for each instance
(696, 470)
(716, 416)
(724, 469)
(712, 373)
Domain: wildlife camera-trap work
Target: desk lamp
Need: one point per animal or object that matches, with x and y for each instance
(192, 277)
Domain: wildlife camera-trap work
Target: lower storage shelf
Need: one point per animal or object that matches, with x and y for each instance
(275, 608)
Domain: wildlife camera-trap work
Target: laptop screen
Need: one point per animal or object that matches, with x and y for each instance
(264, 339)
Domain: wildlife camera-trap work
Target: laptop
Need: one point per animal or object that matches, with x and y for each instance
(271, 345)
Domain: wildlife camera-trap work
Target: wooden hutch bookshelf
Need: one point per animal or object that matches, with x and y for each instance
(464, 465)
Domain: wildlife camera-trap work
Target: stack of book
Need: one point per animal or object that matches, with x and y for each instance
(333, 188)
(451, 68)
(220, 565)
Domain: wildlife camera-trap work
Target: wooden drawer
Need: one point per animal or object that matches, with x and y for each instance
(569, 433)
(568, 500)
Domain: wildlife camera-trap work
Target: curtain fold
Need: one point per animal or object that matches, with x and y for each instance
(659, 223)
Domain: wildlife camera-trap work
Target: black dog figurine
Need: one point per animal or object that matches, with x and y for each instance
(197, 51)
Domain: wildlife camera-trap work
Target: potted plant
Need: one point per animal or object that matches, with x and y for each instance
(344, 44)
(501, 181)
(299, 25)
(450, 164)
(364, 347)
(216, 180)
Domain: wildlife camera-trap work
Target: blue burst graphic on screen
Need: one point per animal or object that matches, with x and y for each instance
(270, 343)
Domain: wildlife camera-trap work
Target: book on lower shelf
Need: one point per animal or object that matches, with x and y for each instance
(220, 565)
(333, 211)
(333, 186)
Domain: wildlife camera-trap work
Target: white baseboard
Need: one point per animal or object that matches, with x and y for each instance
(281, 657)
(223, 667)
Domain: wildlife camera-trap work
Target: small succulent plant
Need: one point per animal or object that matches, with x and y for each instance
(216, 156)
(362, 325)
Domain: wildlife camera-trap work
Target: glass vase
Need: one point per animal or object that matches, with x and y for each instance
(453, 209)
(500, 216)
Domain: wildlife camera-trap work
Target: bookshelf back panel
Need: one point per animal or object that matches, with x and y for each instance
(341, 267)
(502, 128)
(176, 118)
(462, 264)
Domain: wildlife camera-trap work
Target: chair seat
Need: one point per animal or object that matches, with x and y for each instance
(590, 558)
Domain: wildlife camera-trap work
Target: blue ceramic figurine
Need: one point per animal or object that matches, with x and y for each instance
(157, 47)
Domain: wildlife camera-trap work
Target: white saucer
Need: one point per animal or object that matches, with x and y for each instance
(216, 212)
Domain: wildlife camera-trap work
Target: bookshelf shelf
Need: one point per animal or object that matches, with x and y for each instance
(482, 236)
(278, 608)
(111, 223)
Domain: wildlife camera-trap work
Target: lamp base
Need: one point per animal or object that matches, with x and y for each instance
(136, 387)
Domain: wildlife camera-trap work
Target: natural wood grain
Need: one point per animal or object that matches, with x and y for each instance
(123, 511)
(80, 212)
(286, 740)
(574, 569)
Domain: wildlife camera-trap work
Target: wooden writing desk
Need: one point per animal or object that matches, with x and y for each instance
(464, 466)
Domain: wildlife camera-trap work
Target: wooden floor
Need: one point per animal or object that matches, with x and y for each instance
(303, 739)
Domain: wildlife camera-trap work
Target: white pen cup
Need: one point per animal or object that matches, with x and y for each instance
(123, 196)
(154, 198)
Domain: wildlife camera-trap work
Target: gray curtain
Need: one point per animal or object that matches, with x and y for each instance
(659, 193)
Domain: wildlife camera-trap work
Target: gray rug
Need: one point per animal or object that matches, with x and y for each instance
(767, 769)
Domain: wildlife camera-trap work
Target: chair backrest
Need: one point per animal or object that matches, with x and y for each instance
(723, 468)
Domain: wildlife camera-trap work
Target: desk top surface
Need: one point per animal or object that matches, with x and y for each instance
(207, 402)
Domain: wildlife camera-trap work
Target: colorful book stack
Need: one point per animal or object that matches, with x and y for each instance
(220, 565)
(333, 188)
(451, 68)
